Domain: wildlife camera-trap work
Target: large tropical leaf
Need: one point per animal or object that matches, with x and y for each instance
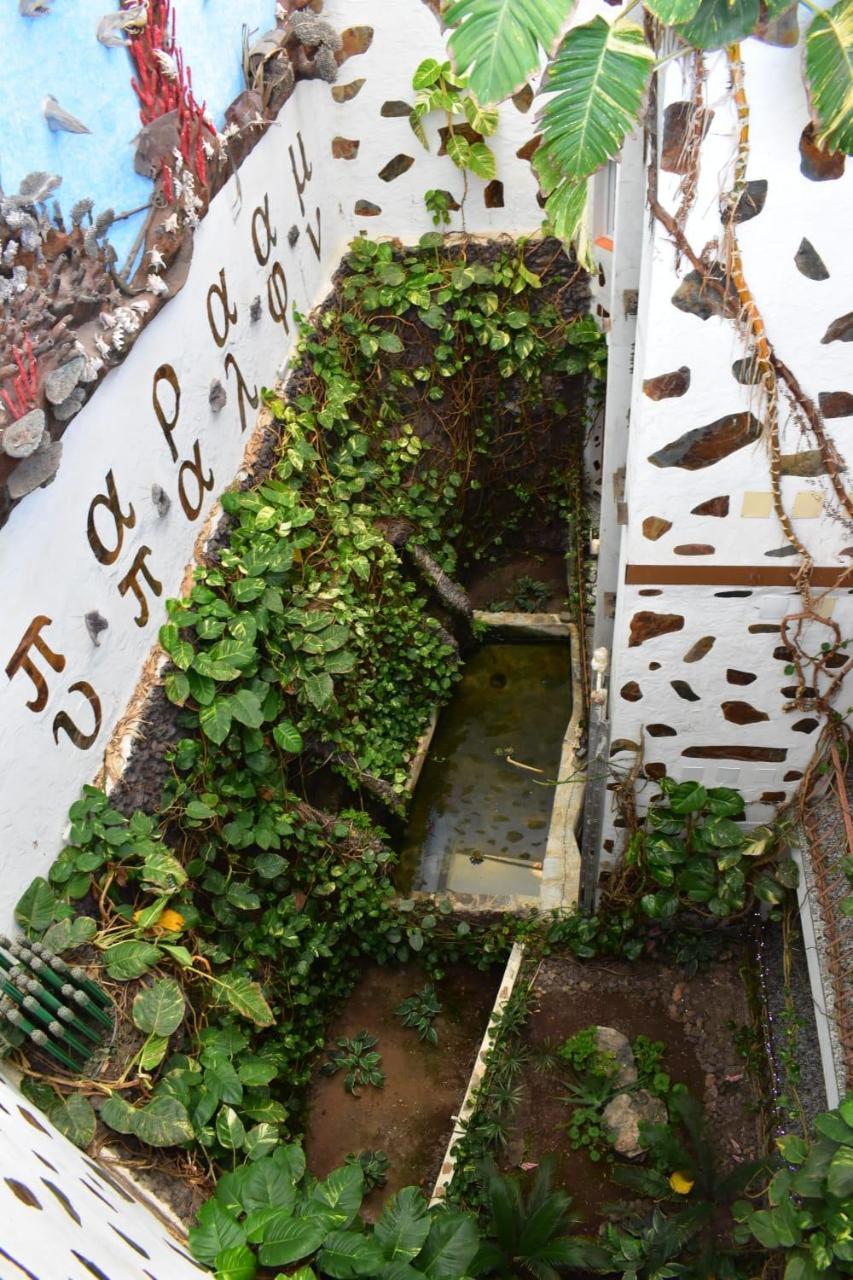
(717, 23)
(597, 80)
(829, 73)
(450, 1246)
(404, 1225)
(669, 11)
(499, 43)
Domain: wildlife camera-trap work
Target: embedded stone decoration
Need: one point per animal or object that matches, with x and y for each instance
(694, 549)
(396, 167)
(793, 775)
(34, 471)
(354, 40)
(841, 330)
(346, 92)
(816, 164)
(59, 384)
(712, 507)
(609, 1040)
(217, 396)
(651, 591)
(366, 209)
(751, 201)
(763, 628)
(654, 666)
(523, 100)
(698, 651)
(732, 595)
(783, 654)
(23, 437)
(631, 691)
(809, 462)
(808, 725)
(746, 372)
(836, 404)
(646, 625)
(345, 148)
(780, 553)
(661, 731)
(529, 149)
(809, 262)
(655, 527)
(655, 771)
(493, 195)
(681, 120)
(667, 385)
(703, 446)
(712, 294)
(682, 688)
(773, 797)
(623, 1116)
(762, 755)
(740, 677)
(742, 713)
(395, 109)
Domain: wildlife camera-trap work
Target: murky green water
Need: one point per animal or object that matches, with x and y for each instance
(479, 823)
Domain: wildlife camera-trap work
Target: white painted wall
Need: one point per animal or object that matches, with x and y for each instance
(797, 312)
(47, 565)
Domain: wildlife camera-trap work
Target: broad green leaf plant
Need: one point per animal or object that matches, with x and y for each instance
(598, 73)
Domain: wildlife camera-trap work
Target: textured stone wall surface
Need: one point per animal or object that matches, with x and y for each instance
(698, 676)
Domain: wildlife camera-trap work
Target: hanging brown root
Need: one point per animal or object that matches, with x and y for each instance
(378, 787)
(450, 594)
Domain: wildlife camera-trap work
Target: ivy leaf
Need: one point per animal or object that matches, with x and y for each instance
(237, 1263)
(75, 1119)
(215, 720)
(117, 1114)
(246, 707)
(65, 935)
(163, 1123)
(245, 997)
(153, 1052)
(35, 907)
(159, 1009)
(288, 737)
(319, 690)
(261, 1139)
(427, 73)
(162, 873)
(390, 342)
(176, 687)
(459, 150)
(481, 161)
(214, 1232)
(230, 1132)
(127, 960)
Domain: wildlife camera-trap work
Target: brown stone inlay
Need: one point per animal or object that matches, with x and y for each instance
(836, 404)
(655, 770)
(345, 148)
(694, 549)
(773, 797)
(697, 651)
(660, 731)
(809, 262)
(793, 775)
(367, 209)
(527, 151)
(395, 109)
(523, 100)
(682, 688)
(679, 120)
(713, 507)
(354, 40)
(808, 725)
(703, 446)
(841, 330)
(764, 628)
(346, 92)
(631, 691)
(493, 196)
(740, 677)
(396, 167)
(709, 294)
(23, 1193)
(655, 527)
(667, 385)
(750, 202)
(817, 164)
(768, 755)
(743, 713)
(646, 625)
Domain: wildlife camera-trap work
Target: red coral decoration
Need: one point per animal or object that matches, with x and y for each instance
(160, 93)
(25, 385)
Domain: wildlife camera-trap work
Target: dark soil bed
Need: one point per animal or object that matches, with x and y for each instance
(691, 1017)
(411, 1116)
(496, 584)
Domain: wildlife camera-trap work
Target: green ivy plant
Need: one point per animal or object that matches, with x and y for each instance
(439, 88)
(358, 1058)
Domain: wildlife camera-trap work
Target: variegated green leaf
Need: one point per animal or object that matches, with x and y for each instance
(499, 43)
(829, 74)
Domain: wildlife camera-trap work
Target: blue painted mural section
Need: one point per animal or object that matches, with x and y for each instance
(59, 54)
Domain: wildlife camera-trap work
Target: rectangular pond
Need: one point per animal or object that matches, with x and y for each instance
(481, 811)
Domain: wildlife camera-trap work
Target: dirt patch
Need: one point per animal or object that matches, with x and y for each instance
(690, 1015)
(411, 1116)
(501, 583)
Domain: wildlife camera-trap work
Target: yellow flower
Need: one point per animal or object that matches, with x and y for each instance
(681, 1183)
(170, 921)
